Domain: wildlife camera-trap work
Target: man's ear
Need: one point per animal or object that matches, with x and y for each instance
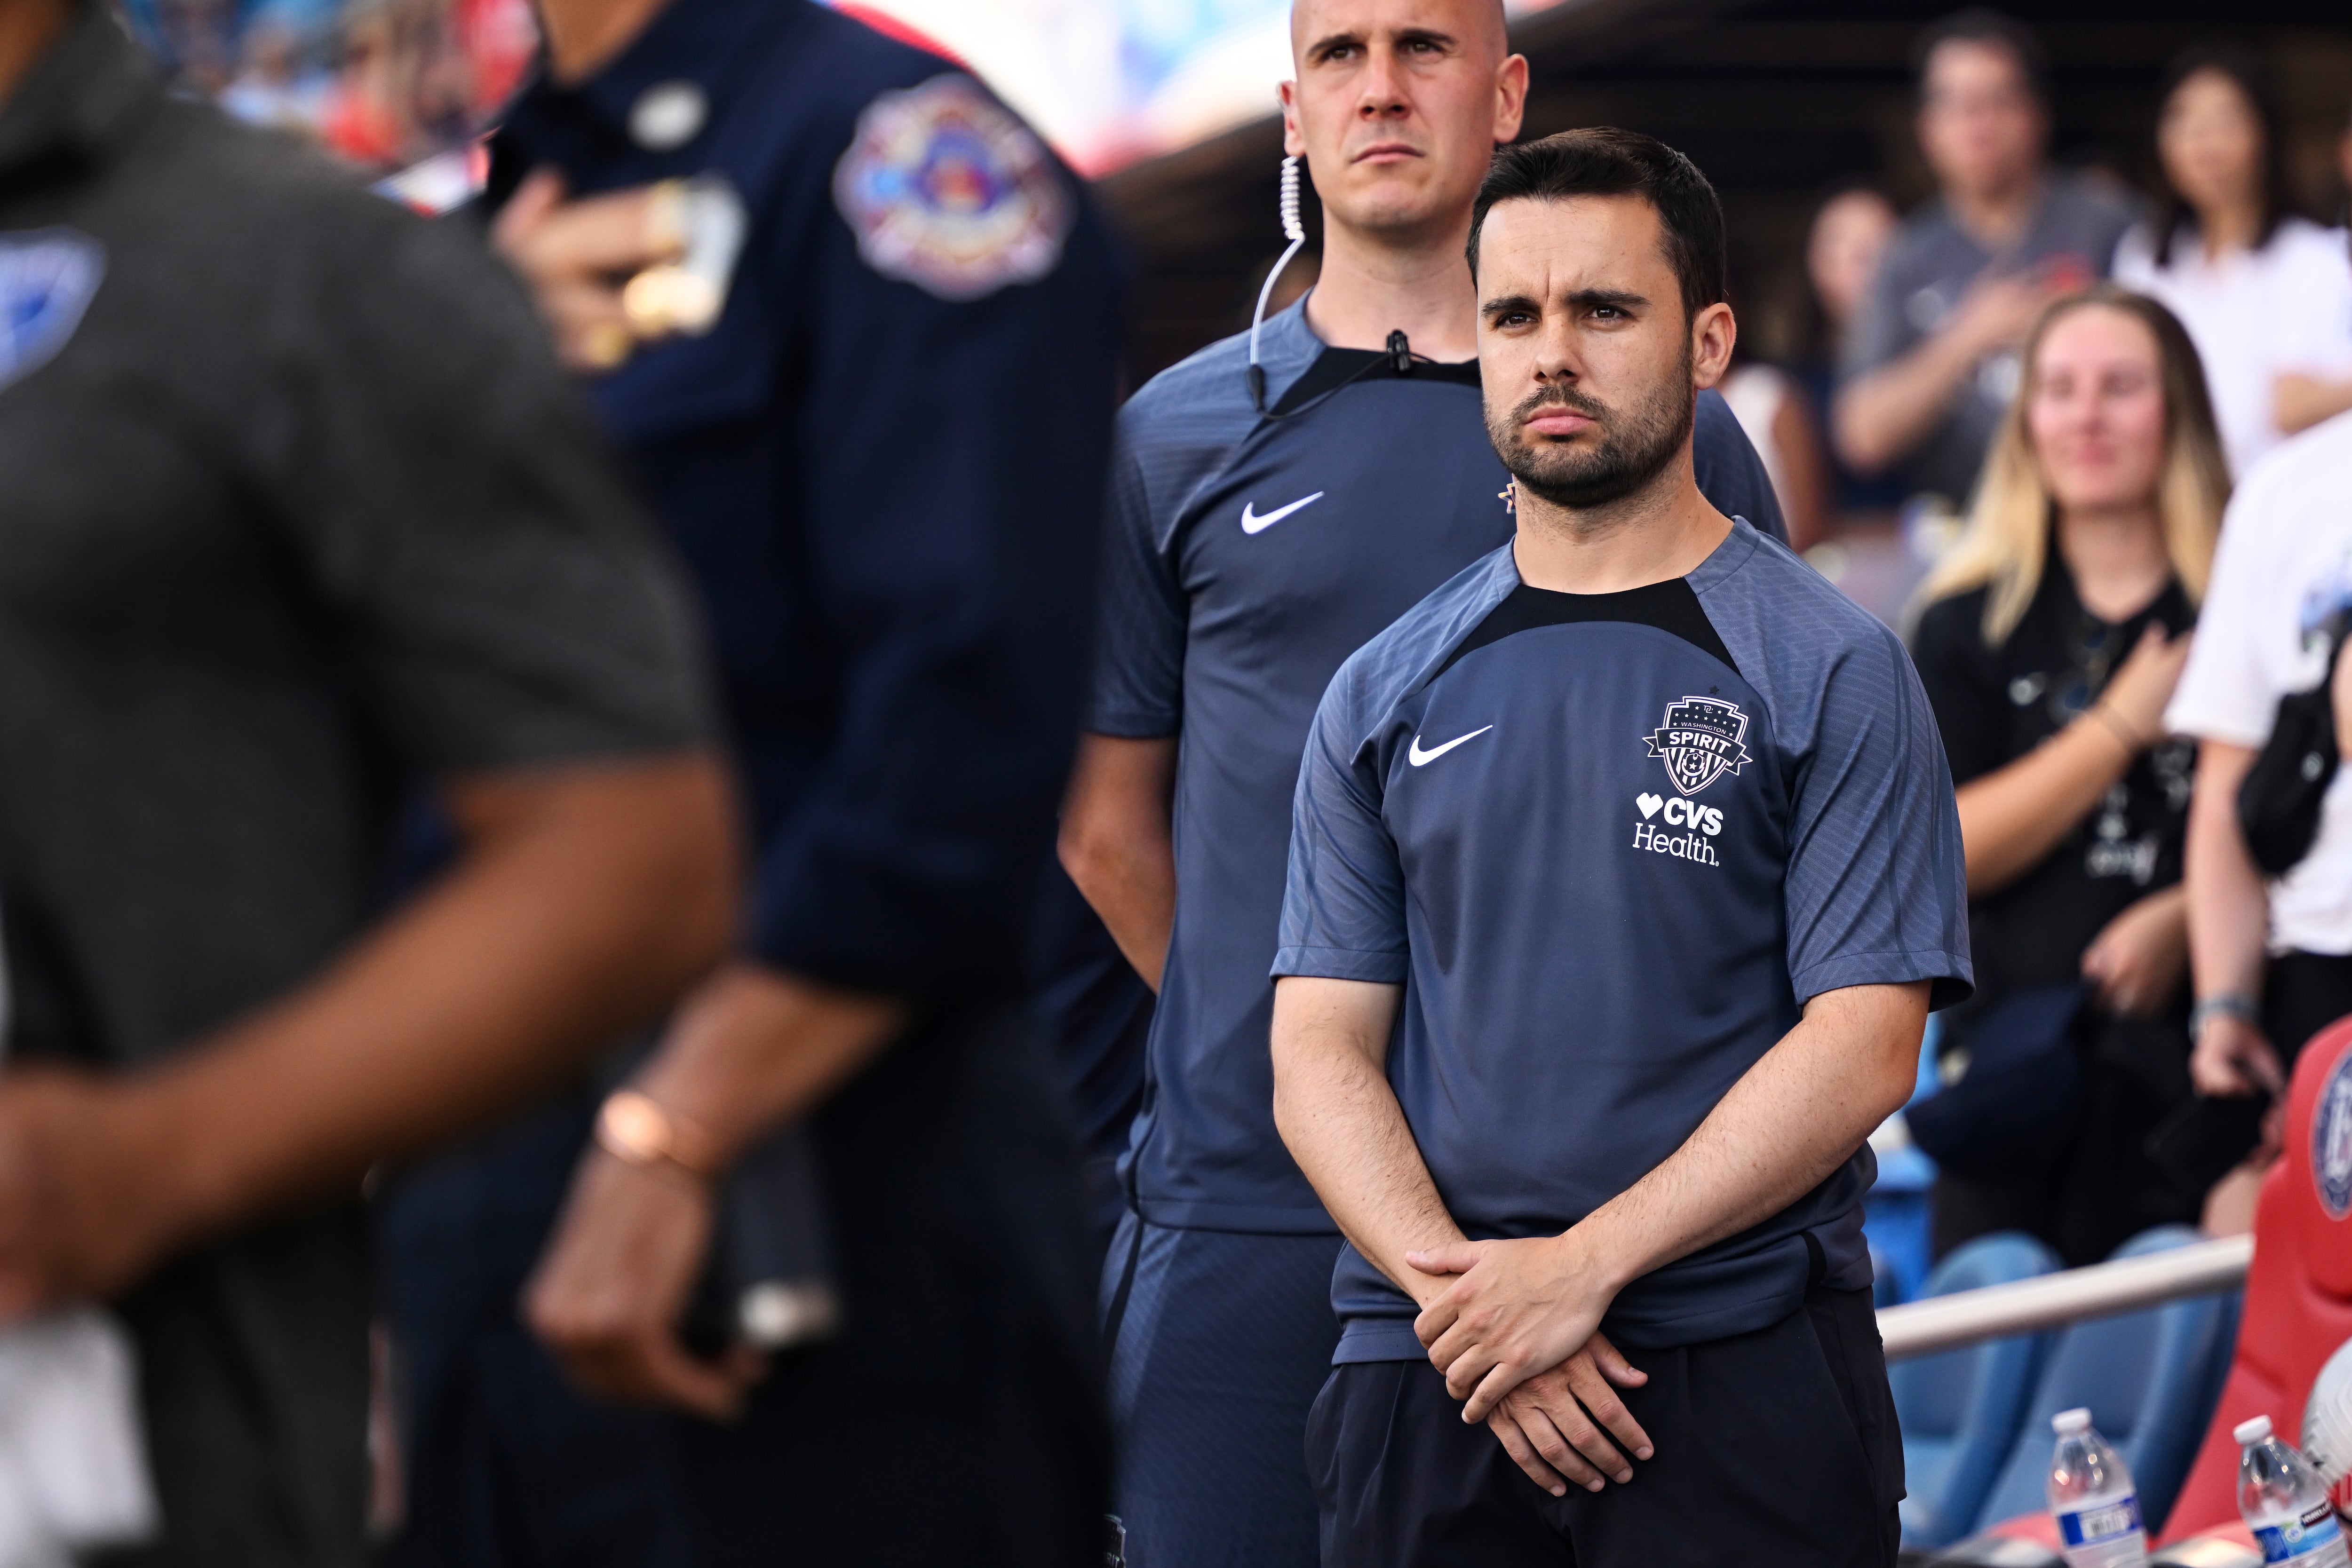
(1714, 335)
(1510, 99)
(1294, 140)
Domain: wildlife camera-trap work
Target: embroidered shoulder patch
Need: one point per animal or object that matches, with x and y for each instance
(48, 278)
(946, 190)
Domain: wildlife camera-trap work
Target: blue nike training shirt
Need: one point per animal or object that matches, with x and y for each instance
(1249, 556)
(1611, 844)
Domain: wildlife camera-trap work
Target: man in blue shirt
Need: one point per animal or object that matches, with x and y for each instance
(875, 425)
(1623, 869)
(1256, 542)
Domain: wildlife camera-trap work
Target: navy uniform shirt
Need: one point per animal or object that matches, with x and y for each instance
(1250, 556)
(885, 466)
(1611, 844)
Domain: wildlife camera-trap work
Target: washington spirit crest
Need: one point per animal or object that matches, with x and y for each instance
(2331, 1140)
(1700, 740)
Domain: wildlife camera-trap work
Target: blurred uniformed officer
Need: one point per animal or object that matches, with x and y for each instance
(856, 328)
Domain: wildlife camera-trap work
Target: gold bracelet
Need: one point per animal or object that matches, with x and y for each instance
(634, 1127)
(2133, 746)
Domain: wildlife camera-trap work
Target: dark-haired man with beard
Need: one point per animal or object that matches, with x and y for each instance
(1624, 872)
(1276, 500)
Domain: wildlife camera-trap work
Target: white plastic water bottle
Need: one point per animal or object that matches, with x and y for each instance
(2283, 1501)
(2091, 1497)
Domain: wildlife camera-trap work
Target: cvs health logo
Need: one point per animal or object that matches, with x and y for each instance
(1681, 814)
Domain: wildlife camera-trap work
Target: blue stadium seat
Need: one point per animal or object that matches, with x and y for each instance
(2149, 1379)
(1960, 1410)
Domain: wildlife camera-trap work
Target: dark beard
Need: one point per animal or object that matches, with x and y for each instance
(1634, 449)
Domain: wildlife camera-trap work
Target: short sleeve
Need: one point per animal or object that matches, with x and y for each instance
(2224, 692)
(2313, 320)
(1343, 907)
(443, 488)
(1138, 688)
(1876, 888)
(1962, 685)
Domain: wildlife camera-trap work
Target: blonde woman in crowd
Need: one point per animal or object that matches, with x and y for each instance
(2051, 636)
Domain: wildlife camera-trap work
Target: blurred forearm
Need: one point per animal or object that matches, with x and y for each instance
(586, 898)
(2012, 817)
(1118, 846)
(754, 1049)
(1880, 417)
(2300, 401)
(2228, 910)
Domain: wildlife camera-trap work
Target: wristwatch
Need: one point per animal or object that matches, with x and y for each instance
(634, 1127)
(2227, 1004)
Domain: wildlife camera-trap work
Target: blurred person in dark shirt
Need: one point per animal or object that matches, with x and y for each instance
(2053, 633)
(883, 458)
(1930, 364)
(300, 513)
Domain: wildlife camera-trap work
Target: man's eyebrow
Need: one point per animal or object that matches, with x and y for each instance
(1322, 48)
(1510, 302)
(1594, 298)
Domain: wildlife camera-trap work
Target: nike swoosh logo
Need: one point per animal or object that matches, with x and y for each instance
(1253, 524)
(1420, 759)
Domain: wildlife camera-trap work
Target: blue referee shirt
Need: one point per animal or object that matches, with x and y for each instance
(1611, 844)
(1249, 556)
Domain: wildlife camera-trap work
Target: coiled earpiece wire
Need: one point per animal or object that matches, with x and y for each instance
(1297, 232)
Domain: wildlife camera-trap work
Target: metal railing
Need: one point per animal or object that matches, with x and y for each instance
(1965, 1317)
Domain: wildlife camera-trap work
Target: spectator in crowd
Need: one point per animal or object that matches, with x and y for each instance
(1771, 408)
(2273, 959)
(2052, 634)
(1930, 363)
(300, 514)
(1843, 251)
(1847, 241)
(2266, 295)
(1785, 409)
(278, 85)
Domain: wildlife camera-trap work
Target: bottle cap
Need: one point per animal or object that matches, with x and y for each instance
(2253, 1431)
(2068, 1422)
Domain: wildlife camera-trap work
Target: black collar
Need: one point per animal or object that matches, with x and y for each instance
(82, 99)
(1337, 367)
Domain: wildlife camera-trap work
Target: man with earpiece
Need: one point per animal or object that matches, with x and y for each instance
(1277, 499)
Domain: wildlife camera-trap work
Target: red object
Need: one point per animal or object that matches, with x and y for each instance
(2298, 1300)
(2039, 1528)
(890, 27)
(361, 128)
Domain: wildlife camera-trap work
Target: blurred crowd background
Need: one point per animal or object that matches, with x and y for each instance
(1802, 113)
